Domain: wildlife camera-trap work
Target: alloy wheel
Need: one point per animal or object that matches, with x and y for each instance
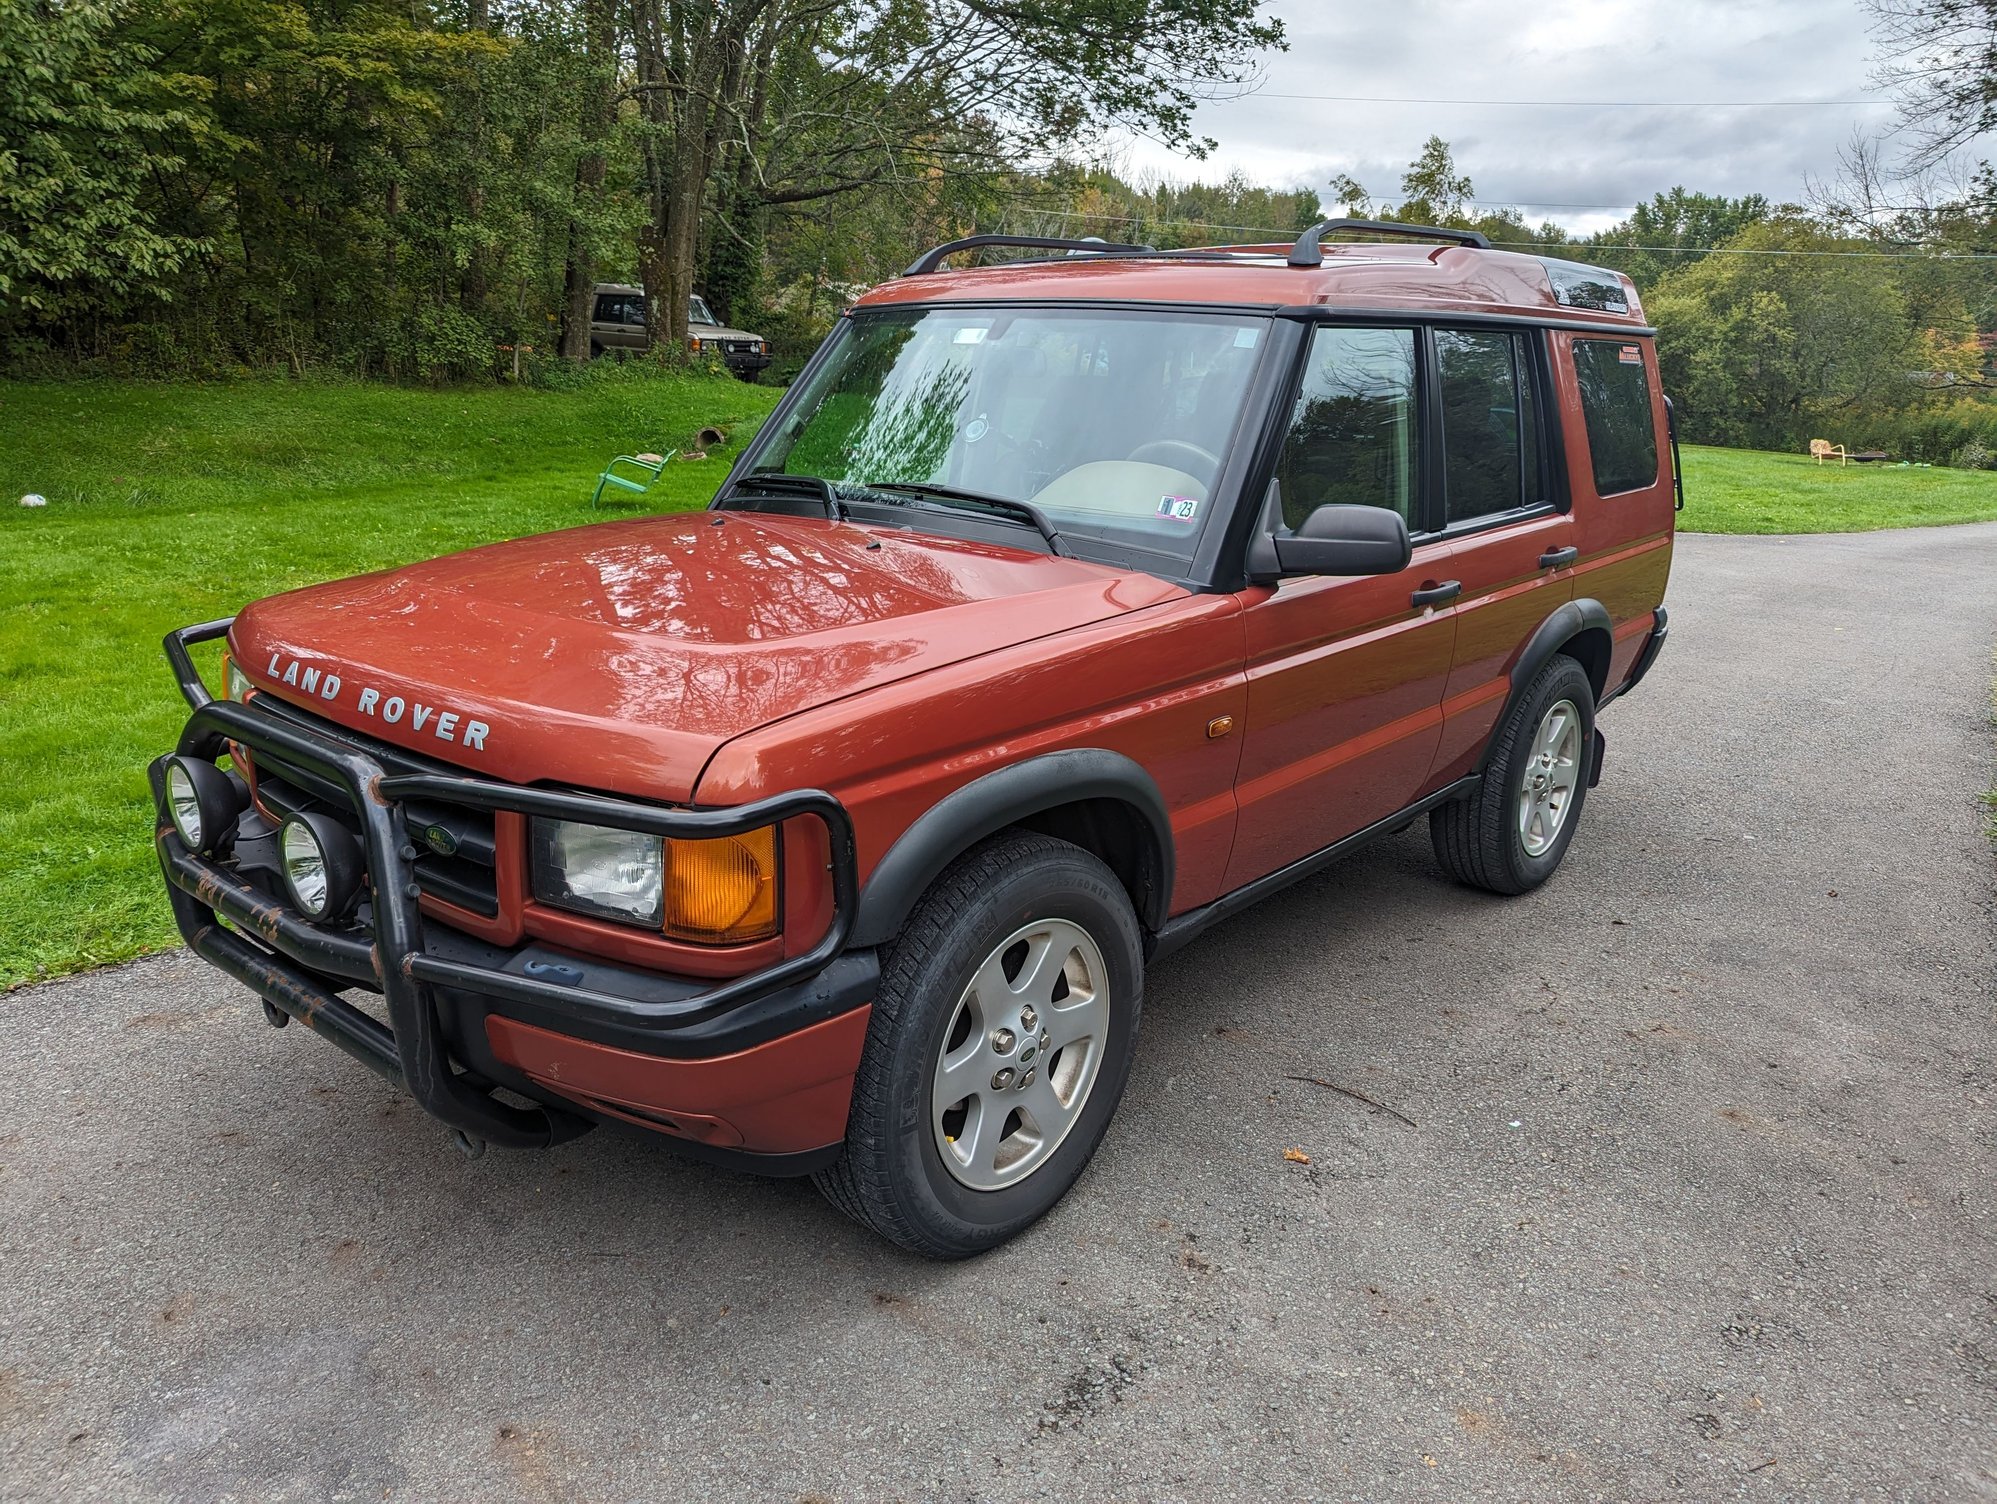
(1021, 1054)
(1551, 778)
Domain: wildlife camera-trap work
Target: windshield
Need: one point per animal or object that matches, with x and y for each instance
(1113, 423)
(697, 311)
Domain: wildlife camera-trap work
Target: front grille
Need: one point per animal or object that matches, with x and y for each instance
(456, 850)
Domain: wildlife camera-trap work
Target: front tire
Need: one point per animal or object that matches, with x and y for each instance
(999, 1045)
(1510, 835)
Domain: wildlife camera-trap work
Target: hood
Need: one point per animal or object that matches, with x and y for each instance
(719, 331)
(619, 657)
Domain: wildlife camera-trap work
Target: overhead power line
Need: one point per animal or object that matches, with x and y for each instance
(1536, 245)
(1728, 250)
(1579, 104)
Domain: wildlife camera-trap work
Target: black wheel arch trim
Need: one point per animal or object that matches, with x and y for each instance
(1571, 620)
(1014, 795)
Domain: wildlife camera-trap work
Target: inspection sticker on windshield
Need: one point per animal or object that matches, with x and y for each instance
(1630, 355)
(1179, 508)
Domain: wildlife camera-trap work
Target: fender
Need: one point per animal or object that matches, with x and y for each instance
(1572, 620)
(1009, 796)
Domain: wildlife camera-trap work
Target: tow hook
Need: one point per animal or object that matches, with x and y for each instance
(275, 1016)
(472, 1148)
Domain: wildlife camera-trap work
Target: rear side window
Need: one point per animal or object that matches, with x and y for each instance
(1490, 427)
(1352, 437)
(1615, 403)
(620, 308)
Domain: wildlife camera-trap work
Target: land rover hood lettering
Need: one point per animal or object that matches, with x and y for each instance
(446, 725)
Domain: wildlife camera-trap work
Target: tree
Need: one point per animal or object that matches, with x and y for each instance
(1349, 193)
(596, 121)
(1762, 345)
(397, 186)
(1434, 191)
(1940, 56)
(1676, 229)
(812, 99)
(85, 121)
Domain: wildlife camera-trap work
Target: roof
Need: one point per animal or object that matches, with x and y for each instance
(1363, 277)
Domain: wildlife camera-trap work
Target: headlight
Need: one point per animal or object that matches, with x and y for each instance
(203, 802)
(592, 869)
(712, 892)
(235, 683)
(322, 865)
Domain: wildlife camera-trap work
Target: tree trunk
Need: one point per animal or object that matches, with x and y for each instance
(690, 66)
(599, 114)
(682, 238)
(653, 257)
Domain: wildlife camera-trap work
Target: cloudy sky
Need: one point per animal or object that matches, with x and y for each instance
(1585, 164)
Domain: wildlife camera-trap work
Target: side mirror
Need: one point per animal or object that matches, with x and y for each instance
(1345, 540)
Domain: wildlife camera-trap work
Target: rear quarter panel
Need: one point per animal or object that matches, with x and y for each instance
(1625, 539)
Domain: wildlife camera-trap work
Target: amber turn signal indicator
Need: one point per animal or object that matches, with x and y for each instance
(1219, 726)
(723, 891)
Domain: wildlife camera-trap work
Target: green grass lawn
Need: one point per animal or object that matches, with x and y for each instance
(170, 504)
(1748, 491)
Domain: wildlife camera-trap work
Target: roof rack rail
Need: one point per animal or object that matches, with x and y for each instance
(1308, 252)
(930, 259)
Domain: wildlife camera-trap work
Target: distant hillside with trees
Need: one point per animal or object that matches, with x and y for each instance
(411, 188)
(398, 186)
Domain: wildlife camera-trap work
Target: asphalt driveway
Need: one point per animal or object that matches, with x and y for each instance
(1685, 1193)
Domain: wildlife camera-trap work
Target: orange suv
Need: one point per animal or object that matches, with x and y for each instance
(1061, 609)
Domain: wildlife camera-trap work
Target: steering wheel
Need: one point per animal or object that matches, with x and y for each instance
(1204, 466)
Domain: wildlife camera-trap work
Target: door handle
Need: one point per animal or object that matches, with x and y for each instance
(1559, 558)
(1435, 595)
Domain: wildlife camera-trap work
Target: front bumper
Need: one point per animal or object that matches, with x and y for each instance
(583, 1041)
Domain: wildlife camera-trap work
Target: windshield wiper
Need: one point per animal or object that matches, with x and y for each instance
(1024, 512)
(777, 483)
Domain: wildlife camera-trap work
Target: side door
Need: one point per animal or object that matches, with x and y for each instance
(1503, 512)
(1345, 676)
(619, 321)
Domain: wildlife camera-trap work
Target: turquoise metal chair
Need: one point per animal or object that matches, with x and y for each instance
(651, 464)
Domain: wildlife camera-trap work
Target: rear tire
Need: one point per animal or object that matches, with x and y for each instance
(1510, 835)
(1016, 982)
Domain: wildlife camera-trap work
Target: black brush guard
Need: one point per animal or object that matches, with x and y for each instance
(295, 962)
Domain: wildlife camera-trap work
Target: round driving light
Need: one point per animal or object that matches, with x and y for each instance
(183, 804)
(322, 865)
(203, 802)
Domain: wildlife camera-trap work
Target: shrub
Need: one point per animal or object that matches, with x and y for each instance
(440, 343)
(1962, 434)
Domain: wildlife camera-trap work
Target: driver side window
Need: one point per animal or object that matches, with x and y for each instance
(1353, 438)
